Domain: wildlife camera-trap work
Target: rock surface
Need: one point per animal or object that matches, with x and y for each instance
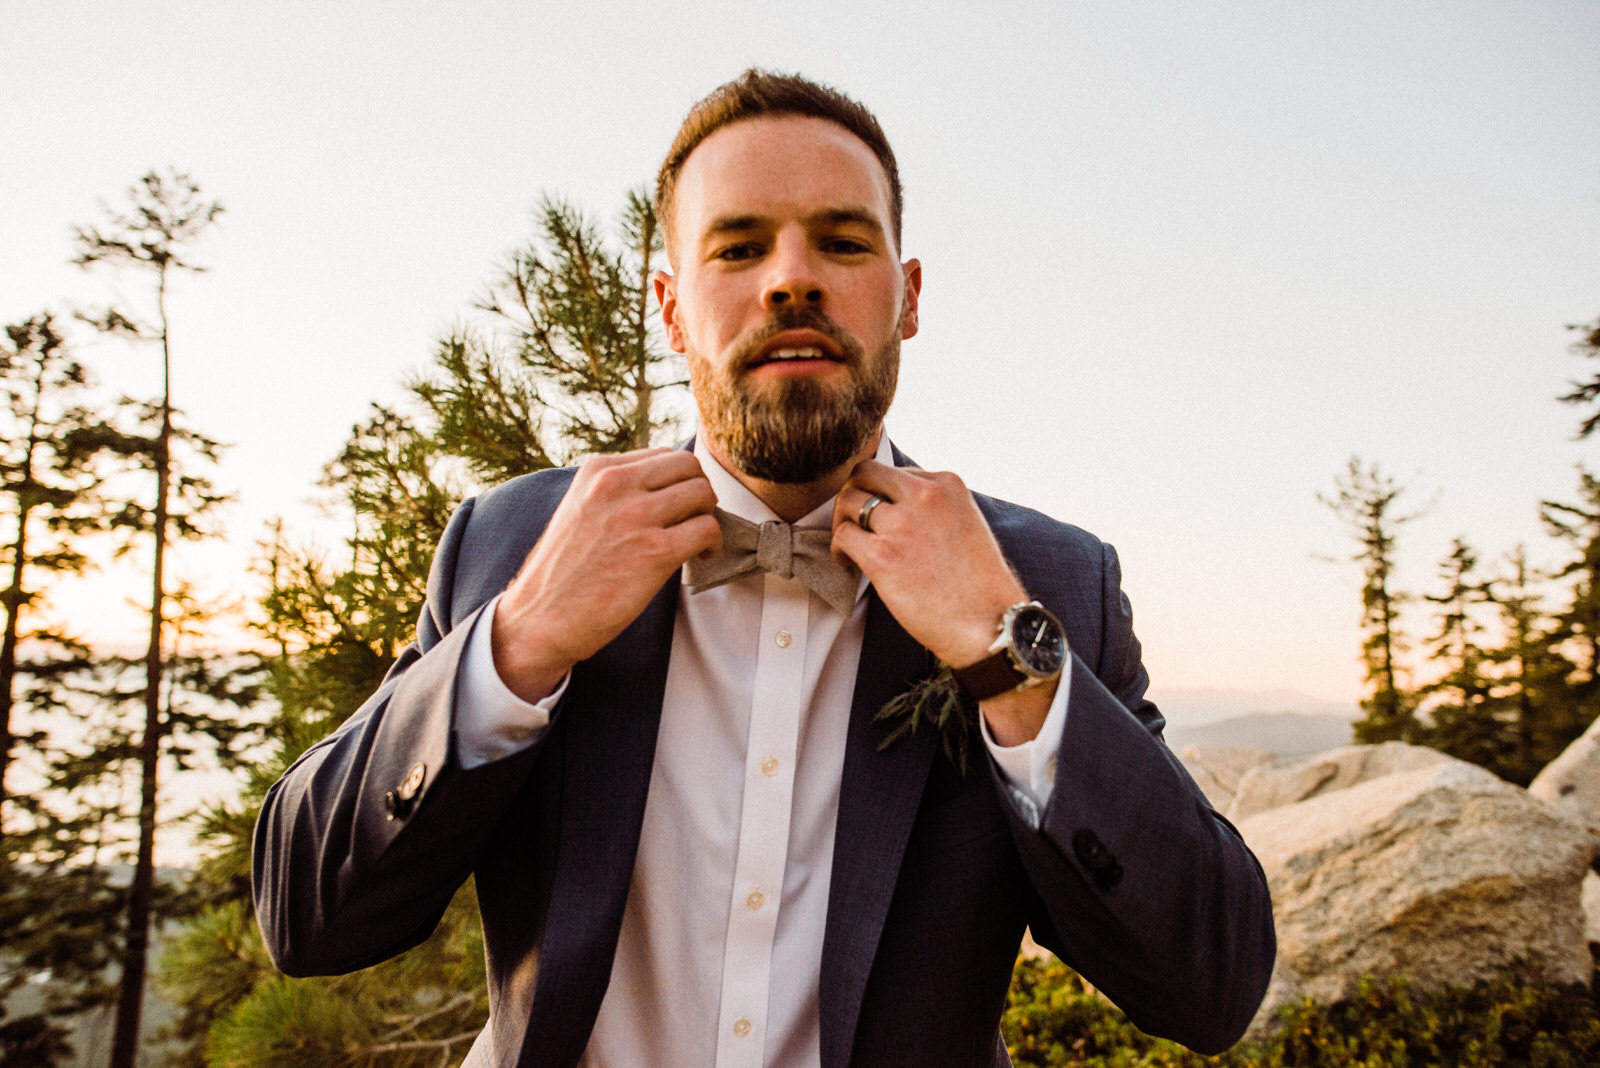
(1289, 782)
(1217, 769)
(1442, 873)
(1571, 782)
(1591, 909)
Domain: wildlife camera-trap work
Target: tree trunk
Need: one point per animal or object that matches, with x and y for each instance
(8, 653)
(135, 959)
(14, 595)
(643, 391)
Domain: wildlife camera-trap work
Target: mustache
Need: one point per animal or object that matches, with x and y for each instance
(797, 317)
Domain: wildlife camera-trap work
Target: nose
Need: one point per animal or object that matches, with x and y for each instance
(792, 278)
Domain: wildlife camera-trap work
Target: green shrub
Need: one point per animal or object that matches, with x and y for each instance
(1054, 1020)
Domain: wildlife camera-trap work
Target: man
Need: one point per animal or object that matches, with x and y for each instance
(643, 709)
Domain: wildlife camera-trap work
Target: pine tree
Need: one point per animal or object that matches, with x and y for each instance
(58, 907)
(1364, 500)
(1586, 392)
(566, 363)
(48, 446)
(1579, 526)
(335, 631)
(1461, 720)
(1575, 633)
(60, 913)
(153, 240)
(560, 363)
(1529, 691)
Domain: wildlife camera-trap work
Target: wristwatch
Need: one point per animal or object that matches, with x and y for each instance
(1030, 651)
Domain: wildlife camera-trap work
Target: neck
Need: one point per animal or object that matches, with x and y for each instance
(794, 500)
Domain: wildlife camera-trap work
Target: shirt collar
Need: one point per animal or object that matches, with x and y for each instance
(734, 498)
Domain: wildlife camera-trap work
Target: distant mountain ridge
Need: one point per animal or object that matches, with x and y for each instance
(1283, 734)
(1194, 706)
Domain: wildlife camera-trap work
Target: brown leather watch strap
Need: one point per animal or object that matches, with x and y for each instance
(989, 677)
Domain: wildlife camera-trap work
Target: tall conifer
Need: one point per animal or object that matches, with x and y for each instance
(152, 239)
(1529, 691)
(57, 903)
(1364, 501)
(48, 445)
(1588, 390)
(1461, 721)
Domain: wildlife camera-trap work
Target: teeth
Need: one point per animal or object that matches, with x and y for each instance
(795, 354)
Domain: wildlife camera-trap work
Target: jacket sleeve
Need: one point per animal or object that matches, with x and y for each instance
(1143, 888)
(362, 842)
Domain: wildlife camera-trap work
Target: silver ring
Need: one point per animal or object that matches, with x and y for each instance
(864, 517)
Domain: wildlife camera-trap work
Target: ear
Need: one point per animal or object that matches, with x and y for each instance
(666, 287)
(908, 319)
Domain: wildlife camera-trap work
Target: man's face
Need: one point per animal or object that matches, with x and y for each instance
(789, 300)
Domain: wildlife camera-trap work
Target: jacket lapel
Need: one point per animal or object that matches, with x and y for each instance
(878, 800)
(609, 747)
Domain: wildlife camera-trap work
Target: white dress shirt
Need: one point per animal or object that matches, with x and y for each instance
(719, 955)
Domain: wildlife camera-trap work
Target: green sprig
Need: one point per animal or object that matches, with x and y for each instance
(938, 701)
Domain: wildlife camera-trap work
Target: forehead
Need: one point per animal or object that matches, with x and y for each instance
(789, 166)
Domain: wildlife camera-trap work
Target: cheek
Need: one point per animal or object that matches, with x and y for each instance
(701, 311)
(881, 306)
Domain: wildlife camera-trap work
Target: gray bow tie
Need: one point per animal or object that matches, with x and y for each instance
(781, 549)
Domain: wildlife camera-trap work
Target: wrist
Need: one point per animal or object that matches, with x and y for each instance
(1030, 650)
(1016, 716)
(975, 639)
(526, 666)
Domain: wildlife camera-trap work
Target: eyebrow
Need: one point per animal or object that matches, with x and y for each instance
(859, 216)
(732, 224)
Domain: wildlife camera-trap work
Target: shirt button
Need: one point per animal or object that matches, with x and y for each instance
(755, 900)
(783, 638)
(741, 1027)
(769, 767)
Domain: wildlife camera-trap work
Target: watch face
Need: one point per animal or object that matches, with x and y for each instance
(1038, 642)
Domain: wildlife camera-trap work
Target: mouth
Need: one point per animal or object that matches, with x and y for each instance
(797, 351)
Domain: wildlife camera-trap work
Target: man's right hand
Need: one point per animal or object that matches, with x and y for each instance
(626, 524)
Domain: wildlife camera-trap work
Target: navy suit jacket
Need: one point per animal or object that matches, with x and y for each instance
(1131, 877)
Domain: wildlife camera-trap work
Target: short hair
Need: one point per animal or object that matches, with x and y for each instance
(759, 94)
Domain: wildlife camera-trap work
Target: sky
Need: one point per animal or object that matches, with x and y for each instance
(1180, 261)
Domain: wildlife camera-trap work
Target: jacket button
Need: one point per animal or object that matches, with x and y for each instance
(412, 783)
(1090, 849)
(1094, 855)
(397, 802)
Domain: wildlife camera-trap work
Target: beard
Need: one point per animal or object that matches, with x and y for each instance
(798, 430)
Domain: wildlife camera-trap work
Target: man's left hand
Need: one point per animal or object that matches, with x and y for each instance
(936, 565)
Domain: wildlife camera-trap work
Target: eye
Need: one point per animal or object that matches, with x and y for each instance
(845, 246)
(735, 253)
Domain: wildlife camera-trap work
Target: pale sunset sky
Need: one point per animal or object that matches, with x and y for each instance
(1181, 260)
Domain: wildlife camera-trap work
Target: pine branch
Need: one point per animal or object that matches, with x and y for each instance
(411, 1023)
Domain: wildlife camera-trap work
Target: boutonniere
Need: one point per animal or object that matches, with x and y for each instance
(936, 701)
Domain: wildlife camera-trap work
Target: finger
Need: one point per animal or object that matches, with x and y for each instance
(847, 505)
(852, 503)
(873, 477)
(697, 535)
(679, 501)
(668, 466)
(850, 546)
(883, 480)
(701, 534)
(609, 460)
